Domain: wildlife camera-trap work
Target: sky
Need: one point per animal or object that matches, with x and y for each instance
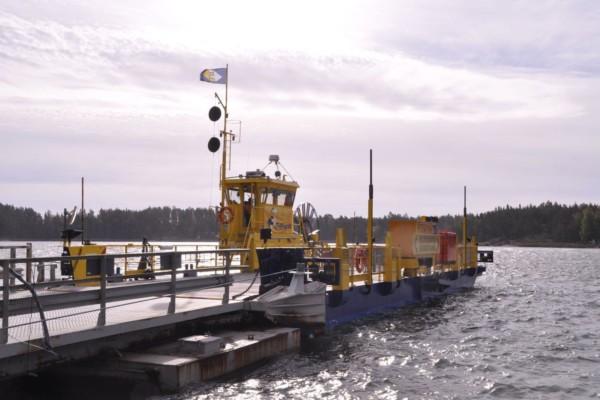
(503, 97)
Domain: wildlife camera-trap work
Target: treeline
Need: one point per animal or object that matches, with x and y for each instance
(155, 223)
(544, 223)
(534, 224)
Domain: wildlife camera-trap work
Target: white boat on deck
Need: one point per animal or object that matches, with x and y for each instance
(299, 303)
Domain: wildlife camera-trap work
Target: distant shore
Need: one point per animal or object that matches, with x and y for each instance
(491, 243)
(533, 243)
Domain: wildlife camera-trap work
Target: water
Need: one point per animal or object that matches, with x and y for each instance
(530, 329)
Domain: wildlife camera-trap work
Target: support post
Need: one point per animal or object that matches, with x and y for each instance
(464, 229)
(227, 265)
(13, 254)
(29, 254)
(102, 313)
(370, 239)
(173, 285)
(5, 300)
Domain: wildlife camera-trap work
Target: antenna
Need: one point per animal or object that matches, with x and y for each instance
(71, 215)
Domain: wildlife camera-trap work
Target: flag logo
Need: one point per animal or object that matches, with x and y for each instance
(216, 75)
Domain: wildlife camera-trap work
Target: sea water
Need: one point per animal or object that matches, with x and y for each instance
(530, 329)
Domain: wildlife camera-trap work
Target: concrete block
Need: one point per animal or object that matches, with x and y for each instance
(175, 371)
(200, 344)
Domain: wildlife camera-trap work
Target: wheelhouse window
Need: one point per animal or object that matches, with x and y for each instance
(277, 197)
(289, 199)
(233, 195)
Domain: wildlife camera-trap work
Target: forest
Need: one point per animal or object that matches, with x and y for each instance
(546, 223)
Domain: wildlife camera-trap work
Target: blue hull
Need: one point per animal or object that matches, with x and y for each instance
(347, 305)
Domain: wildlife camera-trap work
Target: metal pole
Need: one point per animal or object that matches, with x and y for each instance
(13, 254)
(370, 221)
(5, 300)
(465, 228)
(173, 285)
(102, 313)
(223, 166)
(29, 254)
(227, 265)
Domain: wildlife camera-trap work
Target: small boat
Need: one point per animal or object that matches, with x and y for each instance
(299, 304)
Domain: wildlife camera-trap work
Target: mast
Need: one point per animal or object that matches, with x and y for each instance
(464, 227)
(370, 221)
(82, 213)
(225, 137)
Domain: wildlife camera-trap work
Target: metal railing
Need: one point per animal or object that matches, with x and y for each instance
(28, 254)
(168, 286)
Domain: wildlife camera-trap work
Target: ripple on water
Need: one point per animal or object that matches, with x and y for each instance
(527, 331)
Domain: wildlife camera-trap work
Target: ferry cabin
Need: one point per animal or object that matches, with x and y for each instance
(254, 202)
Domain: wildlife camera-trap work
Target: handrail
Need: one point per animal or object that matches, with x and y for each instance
(103, 294)
(119, 255)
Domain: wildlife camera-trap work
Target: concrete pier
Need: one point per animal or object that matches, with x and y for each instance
(200, 358)
(75, 333)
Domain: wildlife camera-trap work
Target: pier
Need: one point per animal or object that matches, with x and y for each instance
(45, 324)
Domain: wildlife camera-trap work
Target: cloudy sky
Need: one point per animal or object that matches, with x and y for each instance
(501, 96)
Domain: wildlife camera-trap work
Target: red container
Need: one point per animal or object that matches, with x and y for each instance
(447, 254)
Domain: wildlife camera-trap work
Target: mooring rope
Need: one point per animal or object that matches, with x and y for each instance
(248, 288)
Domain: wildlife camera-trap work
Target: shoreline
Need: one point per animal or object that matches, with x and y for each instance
(554, 245)
(503, 243)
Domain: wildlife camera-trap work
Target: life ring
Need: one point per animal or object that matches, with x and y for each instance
(225, 215)
(359, 260)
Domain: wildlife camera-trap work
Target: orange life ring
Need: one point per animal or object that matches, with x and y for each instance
(359, 260)
(225, 215)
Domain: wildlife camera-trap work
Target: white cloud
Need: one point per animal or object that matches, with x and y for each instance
(422, 82)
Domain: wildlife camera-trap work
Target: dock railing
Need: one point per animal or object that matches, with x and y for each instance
(28, 254)
(161, 283)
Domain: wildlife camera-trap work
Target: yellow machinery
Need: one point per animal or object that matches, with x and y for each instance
(81, 269)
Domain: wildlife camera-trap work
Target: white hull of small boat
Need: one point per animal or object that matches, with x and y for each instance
(298, 304)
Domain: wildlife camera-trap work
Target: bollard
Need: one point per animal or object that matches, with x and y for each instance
(41, 271)
(53, 268)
